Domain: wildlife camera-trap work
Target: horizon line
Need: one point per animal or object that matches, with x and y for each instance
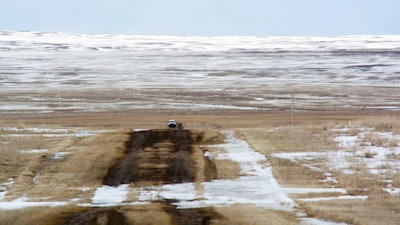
(189, 35)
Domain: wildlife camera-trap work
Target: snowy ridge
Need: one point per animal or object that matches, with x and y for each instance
(199, 43)
(57, 60)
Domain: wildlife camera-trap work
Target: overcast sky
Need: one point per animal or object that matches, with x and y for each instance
(203, 17)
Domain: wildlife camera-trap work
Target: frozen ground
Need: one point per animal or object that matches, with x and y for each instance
(48, 72)
(376, 152)
(56, 60)
(256, 185)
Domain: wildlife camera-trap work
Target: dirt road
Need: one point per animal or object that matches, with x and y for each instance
(154, 157)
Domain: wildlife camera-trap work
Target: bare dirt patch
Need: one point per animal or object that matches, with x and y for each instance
(154, 214)
(155, 157)
(96, 216)
(197, 216)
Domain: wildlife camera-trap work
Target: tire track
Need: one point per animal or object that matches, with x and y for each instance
(155, 157)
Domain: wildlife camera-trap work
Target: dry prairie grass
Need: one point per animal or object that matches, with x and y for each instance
(91, 156)
(374, 211)
(227, 169)
(37, 215)
(311, 137)
(291, 174)
(88, 163)
(361, 182)
(288, 139)
(252, 215)
(62, 179)
(381, 208)
(151, 214)
(382, 123)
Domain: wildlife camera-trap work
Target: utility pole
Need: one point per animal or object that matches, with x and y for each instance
(292, 109)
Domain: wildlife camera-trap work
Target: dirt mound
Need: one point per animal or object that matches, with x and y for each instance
(156, 157)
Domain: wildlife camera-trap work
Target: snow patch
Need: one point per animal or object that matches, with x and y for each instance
(34, 130)
(4, 187)
(60, 155)
(315, 221)
(24, 202)
(110, 196)
(345, 197)
(391, 190)
(314, 190)
(34, 151)
(353, 149)
(255, 186)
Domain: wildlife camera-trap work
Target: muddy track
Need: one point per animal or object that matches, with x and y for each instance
(120, 216)
(96, 216)
(197, 216)
(156, 157)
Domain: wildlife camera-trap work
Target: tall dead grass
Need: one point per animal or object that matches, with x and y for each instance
(381, 123)
(374, 211)
(311, 137)
(36, 215)
(17, 162)
(361, 182)
(84, 167)
(291, 174)
(252, 215)
(291, 139)
(61, 179)
(380, 208)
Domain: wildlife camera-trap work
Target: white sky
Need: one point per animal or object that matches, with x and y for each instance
(204, 17)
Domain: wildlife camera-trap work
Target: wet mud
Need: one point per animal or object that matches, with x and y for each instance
(140, 216)
(155, 157)
(197, 216)
(97, 217)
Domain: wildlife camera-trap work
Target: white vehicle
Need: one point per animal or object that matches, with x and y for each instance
(172, 124)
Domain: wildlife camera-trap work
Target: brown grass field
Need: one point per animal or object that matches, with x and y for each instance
(41, 174)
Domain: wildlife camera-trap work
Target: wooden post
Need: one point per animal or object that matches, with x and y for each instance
(292, 109)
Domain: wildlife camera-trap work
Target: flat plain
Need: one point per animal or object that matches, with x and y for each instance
(276, 130)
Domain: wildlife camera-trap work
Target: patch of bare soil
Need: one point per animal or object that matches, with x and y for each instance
(97, 217)
(196, 216)
(156, 157)
(160, 215)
